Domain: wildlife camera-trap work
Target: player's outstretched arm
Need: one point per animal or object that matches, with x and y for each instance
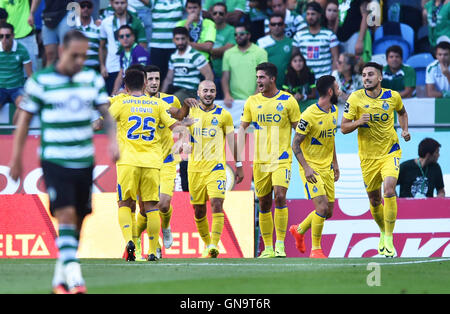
(241, 140)
(20, 136)
(309, 172)
(181, 113)
(233, 144)
(403, 121)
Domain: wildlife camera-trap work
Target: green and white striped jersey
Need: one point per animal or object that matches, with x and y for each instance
(92, 32)
(186, 68)
(165, 14)
(65, 106)
(11, 65)
(316, 48)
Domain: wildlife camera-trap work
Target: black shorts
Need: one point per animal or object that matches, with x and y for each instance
(68, 187)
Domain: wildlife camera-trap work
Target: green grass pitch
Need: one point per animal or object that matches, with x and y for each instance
(238, 276)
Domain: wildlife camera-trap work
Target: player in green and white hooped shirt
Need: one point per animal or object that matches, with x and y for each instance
(64, 96)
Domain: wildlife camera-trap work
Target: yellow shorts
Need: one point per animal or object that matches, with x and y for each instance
(206, 185)
(323, 186)
(133, 181)
(374, 171)
(168, 173)
(266, 176)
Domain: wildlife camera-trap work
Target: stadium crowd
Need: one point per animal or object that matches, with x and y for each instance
(304, 39)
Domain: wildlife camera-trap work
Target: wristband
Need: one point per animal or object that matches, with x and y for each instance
(238, 164)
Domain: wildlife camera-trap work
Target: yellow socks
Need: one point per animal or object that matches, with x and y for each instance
(153, 228)
(378, 215)
(203, 229)
(390, 214)
(165, 218)
(126, 223)
(217, 227)
(281, 221)
(306, 223)
(316, 230)
(141, 224)
(266, 228)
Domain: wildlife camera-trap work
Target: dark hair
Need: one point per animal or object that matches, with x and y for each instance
(3, 14)
(351, 60)
(269, 68)
(152, 68)
(443, 45)
(73, 35)
(221, 4)
(324, 83)
(297, 79)
(136, 67)
(199, 2)
(244, 25)
(395, 49)
(314, 6)
(7, 25)
(428, 146)
(180, 30)
(276, 15)
(134, 80)
(126, 26)
(375, 65)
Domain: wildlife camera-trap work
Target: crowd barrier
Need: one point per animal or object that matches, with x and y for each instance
(422, 229)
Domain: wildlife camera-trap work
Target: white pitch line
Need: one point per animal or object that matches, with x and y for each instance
(193, 264)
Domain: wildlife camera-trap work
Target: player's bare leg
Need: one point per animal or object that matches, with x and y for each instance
(266, 225)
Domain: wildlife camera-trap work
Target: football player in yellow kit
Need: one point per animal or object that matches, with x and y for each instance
(273, 113)
(207, 161)
(314, 148)
(371, 111)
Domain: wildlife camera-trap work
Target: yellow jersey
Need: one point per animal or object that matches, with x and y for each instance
(377, 138)
(166, 135)
(272, 118)
(320, 128)
(137, 120)
(208, 138)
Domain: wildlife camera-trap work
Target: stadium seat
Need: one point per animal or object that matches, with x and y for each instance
(381, 45)
(398, 30)
(419, 62)
(379, 58)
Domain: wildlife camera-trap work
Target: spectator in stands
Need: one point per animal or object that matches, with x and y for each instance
(55, 25)
(353, 32)
(224, 41)
(202, 32)
(165, 15)
(17, 15)
(437, 15)
(278, 46)
(239, 66)
(396, 75)
(14, 59)
(130, 53)
(109, 41)
(437, 77)
(143, 12)
(347, 76)
(332, 15)
(294, 22)
(232, 17)
(317, 44)
(186, 66)
(87, 26)
(299, 80)
(419, 177)
(257, 11)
